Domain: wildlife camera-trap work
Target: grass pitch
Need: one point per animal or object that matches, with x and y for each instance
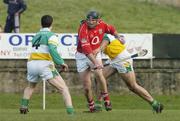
(114, 115)
(125, 108)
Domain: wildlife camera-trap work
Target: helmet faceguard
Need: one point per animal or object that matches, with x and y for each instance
(92, 19)
(92, 15)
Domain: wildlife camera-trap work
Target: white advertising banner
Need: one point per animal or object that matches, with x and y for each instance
(18, 46)
(137, 42)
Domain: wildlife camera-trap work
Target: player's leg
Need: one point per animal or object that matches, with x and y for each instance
(60, 84)
(26, 97)
(130, 80)
(103, 87)
(32, 77)
(107, 72)
(83, 65)
(85, 76)
(127, 73)
(17, 23)
(48, 72)
(9, 24)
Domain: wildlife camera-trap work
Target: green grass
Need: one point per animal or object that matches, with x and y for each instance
(125, 108)
(129, 16)
(115, 115)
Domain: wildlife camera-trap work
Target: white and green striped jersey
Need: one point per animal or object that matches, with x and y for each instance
(44, 47)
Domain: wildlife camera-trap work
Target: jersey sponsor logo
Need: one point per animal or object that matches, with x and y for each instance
(95, 40)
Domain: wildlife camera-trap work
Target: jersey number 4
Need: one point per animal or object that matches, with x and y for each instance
(36, 43)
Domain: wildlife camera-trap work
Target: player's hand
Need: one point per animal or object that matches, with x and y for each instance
(17, 14)
(97, 65)
(121, 38)
(64, 67)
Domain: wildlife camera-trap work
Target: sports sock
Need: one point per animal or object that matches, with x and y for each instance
(98, 105)
(70, 110)
(154, 103)
(98, 102)
(24, 102)
(91, 105)
(105, 96)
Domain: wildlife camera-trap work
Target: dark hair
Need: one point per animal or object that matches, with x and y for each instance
(46, 21)
(92, 14)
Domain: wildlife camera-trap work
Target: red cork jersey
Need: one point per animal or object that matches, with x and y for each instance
(89, 39)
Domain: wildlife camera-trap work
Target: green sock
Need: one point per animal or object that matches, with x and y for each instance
(70, 110)
(154, 103)
(24, 102)
(98, 102)
(98, 105)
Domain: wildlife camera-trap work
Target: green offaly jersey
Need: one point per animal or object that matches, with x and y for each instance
(44, 47)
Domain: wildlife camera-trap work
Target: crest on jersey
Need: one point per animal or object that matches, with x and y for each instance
(83, 40)
(100, 31)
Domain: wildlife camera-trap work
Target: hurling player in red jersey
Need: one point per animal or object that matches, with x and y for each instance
(88, 56)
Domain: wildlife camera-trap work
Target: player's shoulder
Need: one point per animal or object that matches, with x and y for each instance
(53, 39)
(82, 22)
(83, 25)
(53, 35)
(101, 21)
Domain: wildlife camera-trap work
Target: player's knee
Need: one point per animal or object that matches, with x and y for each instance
(87, 85)
(100, 76)
(29, 89)
(64, 89)
(87, 88)
(132, 87)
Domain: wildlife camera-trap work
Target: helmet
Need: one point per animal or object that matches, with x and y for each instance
(93, 15)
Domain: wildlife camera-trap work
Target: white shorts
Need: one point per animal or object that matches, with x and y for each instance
(83, 63)
(125, 66)
(40, 69)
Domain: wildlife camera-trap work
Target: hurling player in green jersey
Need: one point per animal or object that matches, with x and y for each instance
(41, 64)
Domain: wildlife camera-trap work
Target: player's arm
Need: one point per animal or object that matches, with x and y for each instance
(119, 37)
(87, 50)
(111, 30)
(105, 42)
(53, 44)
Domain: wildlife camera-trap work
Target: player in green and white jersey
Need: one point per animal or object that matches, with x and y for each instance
(41, 64)
(115, 50)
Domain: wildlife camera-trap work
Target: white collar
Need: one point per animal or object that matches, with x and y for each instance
(45, 29)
